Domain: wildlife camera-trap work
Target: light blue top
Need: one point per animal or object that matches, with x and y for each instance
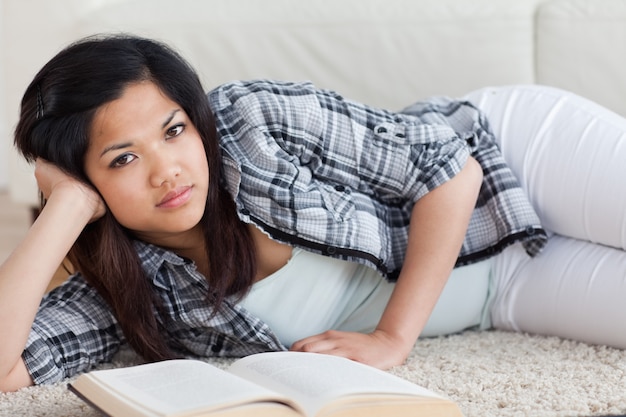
(313, 293)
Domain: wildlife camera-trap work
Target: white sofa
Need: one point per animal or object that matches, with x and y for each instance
(387, 53)
(383, 52)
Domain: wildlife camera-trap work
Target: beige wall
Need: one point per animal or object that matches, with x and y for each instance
(4, 137)
(33, 31)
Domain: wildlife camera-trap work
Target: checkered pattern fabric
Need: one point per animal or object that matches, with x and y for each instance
(74, 329)
(340, 178)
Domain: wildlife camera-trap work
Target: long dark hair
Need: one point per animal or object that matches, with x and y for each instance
(56, 114)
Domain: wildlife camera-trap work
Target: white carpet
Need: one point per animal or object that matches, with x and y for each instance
(488, 374)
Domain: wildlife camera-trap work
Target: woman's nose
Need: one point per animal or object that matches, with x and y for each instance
(164, 168)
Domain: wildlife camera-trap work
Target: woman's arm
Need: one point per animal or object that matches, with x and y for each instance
(438, 224)
(25, 275)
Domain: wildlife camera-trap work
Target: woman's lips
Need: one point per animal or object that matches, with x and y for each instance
(176, 197)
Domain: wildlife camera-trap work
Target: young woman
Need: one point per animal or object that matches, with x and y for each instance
(271, 216)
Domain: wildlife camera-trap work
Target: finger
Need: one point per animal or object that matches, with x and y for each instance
(317, 343)
(316, 346)
(327, 335)
(328, 347)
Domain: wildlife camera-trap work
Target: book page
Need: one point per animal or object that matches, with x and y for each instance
(315, 379)
(181, 387)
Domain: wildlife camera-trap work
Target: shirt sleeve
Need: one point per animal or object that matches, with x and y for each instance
(329, 174)
(73, 331)
(295, 135)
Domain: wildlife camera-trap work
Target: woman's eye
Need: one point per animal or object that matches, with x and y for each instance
(122, 160)
(174, 131)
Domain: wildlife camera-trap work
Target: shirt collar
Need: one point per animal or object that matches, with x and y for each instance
(152, 258)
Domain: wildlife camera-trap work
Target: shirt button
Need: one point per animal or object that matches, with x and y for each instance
(530, 230)
(331, 250)
(381, 129)
(340, 188)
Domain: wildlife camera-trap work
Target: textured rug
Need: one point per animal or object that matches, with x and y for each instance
(488, 374)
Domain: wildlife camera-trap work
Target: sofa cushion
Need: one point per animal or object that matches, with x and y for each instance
(581, 47)
(386, 53)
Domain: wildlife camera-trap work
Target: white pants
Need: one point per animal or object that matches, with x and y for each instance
(570, 156)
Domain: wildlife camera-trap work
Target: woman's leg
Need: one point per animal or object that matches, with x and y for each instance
(573, 289)
(569, 154)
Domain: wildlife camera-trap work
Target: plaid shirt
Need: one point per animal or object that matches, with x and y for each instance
(313, 170)
(75, 330)
(340, 178)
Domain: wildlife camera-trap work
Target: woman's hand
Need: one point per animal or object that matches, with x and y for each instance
(378, 349)
(52, 179)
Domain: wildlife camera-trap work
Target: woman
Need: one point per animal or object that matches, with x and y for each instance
(187, 218)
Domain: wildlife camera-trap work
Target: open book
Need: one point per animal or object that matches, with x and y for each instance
(276, 384)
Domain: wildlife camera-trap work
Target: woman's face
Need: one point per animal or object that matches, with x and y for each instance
(147, 161)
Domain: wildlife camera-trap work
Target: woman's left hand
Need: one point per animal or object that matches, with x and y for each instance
(377, 349)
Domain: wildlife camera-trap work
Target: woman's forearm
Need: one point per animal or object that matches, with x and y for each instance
(438, 225)
(25, 274)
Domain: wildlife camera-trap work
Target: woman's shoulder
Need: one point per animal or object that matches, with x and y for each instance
(263, 93)
(274, 86)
